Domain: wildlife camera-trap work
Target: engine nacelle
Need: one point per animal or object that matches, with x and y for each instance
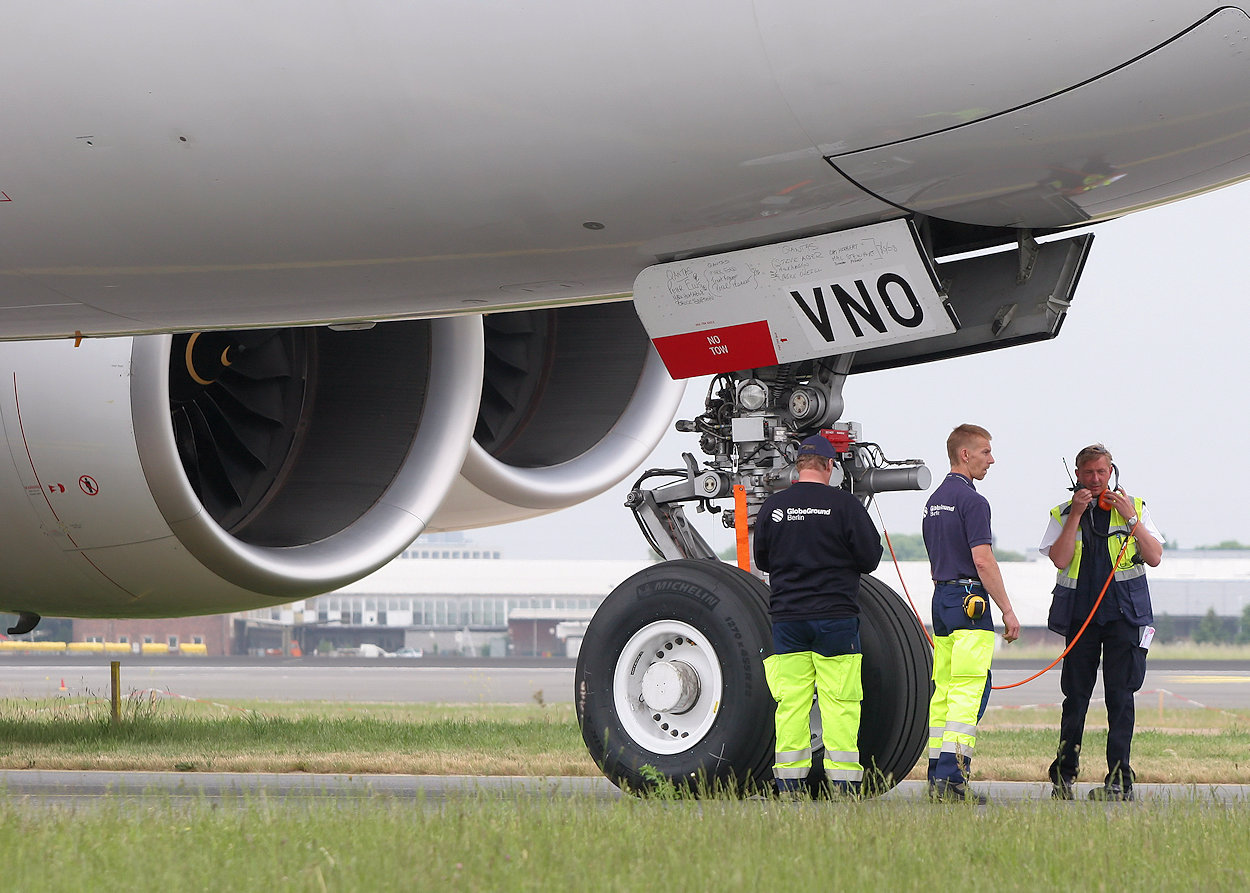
(217, 471)
(173, 475)
(573, 401)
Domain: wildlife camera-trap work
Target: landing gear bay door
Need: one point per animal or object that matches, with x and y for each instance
(831, 294)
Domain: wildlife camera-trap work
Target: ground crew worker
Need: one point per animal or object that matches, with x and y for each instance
(814, 540)
(1083, 539)
(956, 529)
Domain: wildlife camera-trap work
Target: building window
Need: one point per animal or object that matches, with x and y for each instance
(147, 640)
(173, 641)
(197, 640)
(124, 640)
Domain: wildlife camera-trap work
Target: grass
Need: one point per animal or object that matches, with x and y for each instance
(507, 843)
(483, 841)
(283, 737)
(1172, 745)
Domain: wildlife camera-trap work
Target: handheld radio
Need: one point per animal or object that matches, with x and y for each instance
(1104, 498)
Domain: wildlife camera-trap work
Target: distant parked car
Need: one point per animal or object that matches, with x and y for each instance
(410, 652)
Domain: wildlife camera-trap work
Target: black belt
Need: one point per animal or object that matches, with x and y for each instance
(969, 582)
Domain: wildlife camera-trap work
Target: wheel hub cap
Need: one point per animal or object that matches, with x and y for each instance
(670, 687)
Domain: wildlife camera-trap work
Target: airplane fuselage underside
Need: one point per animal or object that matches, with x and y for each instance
(235, 165)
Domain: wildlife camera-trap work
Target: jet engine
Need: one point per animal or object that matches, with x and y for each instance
(573, 401)
(214, 471)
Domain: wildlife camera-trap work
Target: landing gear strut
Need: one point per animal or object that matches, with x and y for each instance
(670, 681)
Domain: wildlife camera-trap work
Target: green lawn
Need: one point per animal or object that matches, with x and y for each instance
(488, 842)
(483, 843)
(1172, 745)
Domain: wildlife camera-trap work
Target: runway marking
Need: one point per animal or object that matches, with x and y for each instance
(1180, 680)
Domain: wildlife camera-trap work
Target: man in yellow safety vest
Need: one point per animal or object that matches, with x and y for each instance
(1101, 537)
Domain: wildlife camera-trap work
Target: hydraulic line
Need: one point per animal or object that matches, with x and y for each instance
(899, 571)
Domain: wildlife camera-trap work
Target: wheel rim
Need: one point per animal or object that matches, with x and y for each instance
(667, 686)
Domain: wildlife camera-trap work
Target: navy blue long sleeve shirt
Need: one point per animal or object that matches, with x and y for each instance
(814, 541)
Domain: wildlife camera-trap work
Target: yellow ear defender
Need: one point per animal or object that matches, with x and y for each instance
(975, 605)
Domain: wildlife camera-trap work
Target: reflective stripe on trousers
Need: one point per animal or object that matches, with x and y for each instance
(961, 663)
(836, 681)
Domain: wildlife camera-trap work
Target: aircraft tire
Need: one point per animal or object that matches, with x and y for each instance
(688, 635)
(720, 614)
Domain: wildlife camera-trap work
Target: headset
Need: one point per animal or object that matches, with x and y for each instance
(1104, 498)
(1104, 501)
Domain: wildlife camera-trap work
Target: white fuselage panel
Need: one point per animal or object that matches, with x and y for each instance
(184, 166)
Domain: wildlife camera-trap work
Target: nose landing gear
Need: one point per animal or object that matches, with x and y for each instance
(670, 678)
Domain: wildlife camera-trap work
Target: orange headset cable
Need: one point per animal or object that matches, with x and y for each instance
(1075, 639)
(1092, 612)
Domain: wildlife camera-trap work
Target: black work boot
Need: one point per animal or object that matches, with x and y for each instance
(1060, 784)
(1112, 791)
(944, 791)
(843, 790)
(1118, 786)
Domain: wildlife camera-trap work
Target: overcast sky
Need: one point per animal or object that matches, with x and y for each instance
(1153, 360)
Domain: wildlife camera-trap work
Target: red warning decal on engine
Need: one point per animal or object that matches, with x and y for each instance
(726, 349)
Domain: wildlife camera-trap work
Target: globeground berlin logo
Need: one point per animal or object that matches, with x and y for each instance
(778, 516)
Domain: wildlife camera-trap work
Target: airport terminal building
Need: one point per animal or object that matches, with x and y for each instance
(471, 607)
(467, 601)
(498, 607)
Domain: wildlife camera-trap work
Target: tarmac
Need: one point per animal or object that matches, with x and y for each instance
(1214, 685)
(53, 787)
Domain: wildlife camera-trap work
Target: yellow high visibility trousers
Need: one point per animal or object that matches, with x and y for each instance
(961, 664)
(792, 678)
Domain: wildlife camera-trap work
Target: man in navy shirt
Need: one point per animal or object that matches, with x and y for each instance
(956, 530)
(815, 540)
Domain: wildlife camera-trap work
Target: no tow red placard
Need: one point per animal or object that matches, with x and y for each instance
(744, 346)
(814, 297)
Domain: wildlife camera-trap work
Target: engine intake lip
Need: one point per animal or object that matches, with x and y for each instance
(399, 516)
(614, 457)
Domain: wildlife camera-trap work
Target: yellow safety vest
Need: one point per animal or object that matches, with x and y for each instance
(1118, 528)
